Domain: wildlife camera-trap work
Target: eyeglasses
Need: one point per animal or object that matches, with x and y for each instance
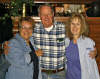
(25, 28)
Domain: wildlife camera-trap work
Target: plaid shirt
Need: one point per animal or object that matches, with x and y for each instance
(52, 44)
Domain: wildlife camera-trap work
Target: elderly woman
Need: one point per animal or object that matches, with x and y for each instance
(78, 46)
(21, 55)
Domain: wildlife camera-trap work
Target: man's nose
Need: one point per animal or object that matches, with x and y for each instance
(46, 15)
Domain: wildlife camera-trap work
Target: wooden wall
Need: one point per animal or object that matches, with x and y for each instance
(95, 35)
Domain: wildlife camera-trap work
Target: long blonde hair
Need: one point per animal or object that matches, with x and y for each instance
(84, 26)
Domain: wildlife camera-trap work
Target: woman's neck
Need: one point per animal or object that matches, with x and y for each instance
(75, 39)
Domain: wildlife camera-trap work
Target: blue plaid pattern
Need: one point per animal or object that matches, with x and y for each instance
(53, 45)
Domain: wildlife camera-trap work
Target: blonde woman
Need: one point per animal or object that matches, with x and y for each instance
(78, 46)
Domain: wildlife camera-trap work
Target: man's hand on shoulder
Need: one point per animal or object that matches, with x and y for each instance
(39, 52)
(93, 53)
(6, 47)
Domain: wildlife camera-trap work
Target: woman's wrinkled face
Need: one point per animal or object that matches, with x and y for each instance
(75, 27)
(26, 30)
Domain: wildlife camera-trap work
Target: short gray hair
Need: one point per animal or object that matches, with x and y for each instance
(48, 5)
